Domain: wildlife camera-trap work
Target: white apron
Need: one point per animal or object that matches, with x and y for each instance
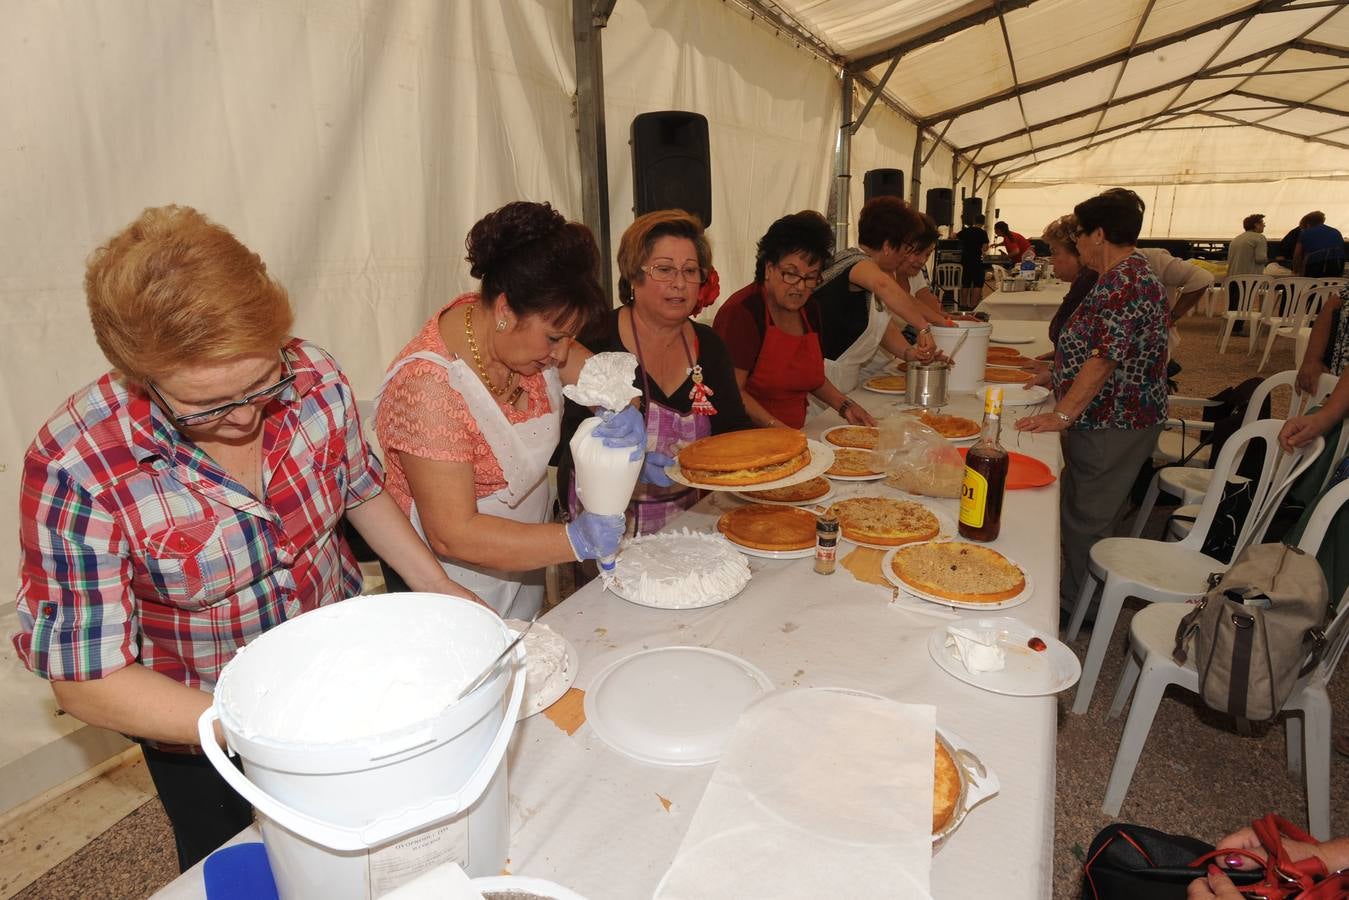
(523, 451)
(845, 372)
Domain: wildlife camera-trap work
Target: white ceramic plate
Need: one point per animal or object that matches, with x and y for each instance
(1028, 673)
(824, 436)
(875, 390)
(755, 498)
(980, 783)
(771, 554)
(538, 701)
(945, 522)
(821, 458)
(672, 706)
(1025, 396)
(1011, 339)
(874, 476)
(894, 579)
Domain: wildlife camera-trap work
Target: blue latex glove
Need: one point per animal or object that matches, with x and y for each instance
(653, 469)
(595, 537)
(625, 428)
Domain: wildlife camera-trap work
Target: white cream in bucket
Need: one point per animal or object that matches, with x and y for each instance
(967, 375)
(363, 768)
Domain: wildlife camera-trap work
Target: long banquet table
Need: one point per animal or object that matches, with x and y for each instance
(589, 818)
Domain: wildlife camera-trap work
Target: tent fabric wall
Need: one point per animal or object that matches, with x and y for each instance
(772, 115)
(1187, 210)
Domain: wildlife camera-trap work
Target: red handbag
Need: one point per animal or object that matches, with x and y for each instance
(1306, 879)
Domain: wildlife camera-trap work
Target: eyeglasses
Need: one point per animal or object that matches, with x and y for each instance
(665, 274)
(792, 277)
(219, 412)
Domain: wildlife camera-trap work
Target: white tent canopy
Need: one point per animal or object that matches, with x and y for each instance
(353, 143)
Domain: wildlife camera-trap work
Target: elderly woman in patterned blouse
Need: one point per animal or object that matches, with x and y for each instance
(1109, 380)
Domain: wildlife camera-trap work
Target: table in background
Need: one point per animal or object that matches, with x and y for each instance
(585, 816)
(1038, 305)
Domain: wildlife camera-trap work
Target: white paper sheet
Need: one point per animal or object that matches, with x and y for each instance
(821, 793)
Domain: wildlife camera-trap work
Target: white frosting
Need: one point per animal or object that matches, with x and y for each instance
(977, 648)
(344, 674)
(547, 669)
(605, 476)
(606, 382)
(679, 570)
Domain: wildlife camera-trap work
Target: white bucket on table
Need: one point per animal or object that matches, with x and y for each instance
(364, 771)
(967, 374)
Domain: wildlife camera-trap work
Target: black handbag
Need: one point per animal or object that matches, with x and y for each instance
(1130, 862)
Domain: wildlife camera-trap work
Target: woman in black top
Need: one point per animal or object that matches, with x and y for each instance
(684, 372)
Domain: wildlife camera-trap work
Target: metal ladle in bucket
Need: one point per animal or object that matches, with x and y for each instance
(496, 663)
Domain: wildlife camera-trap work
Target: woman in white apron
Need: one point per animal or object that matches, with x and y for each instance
(469, 413)
(860, 290)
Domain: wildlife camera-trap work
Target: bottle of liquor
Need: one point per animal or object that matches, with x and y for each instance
(985, 477)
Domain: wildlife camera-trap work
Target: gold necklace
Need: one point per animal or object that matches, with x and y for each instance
(477, 359)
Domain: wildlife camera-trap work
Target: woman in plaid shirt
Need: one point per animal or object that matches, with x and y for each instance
(189, 500)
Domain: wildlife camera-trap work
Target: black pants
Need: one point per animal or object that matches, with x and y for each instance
(205, 811)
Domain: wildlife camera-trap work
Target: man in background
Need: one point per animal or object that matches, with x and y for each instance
(1246, 255)
(973, 239)
(1320, 248)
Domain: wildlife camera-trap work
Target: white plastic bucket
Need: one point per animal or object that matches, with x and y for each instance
(354, 818)
(967, 375)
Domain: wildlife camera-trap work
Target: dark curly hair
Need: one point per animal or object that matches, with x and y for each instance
(805, 232)
(1118, 212)
(545, 265)
(889, 219)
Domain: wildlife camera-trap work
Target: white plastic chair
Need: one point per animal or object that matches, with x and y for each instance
(1251, 290)
(1285, 311)
(1190, 484)
(1149, 667)
(948, 279)
(1173, 572)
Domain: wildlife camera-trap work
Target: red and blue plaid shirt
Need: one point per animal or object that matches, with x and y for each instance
(136, 546)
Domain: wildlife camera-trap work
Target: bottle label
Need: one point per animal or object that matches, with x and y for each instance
(973, 499)
(993, 401)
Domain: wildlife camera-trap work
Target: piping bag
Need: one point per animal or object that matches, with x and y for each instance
(605, 476)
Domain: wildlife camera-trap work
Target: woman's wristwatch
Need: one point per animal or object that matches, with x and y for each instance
(1064, 417)
(843, 407)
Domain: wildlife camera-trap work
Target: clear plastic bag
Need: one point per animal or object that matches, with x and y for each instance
(917, 459)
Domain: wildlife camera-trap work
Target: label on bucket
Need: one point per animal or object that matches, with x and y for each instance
(403, 861)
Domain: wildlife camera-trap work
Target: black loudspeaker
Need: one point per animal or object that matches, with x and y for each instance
(971, 207)
(941, 205)
(883, 183)
(671, 164)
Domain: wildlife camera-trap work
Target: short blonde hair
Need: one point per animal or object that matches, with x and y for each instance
(634, 248)
(1062, 231)
(174, 288)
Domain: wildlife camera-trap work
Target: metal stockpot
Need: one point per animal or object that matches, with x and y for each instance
(925, 385)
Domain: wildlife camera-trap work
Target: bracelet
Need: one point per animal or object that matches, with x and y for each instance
(843, 407)
(1064, 417)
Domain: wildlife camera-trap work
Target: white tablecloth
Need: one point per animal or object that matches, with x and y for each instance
(1039, 305)
(584, 816)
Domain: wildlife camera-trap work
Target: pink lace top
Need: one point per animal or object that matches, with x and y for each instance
(422, 415)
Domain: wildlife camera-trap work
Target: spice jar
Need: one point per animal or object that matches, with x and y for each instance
(826, 542)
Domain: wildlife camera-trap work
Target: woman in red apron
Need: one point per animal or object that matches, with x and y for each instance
(771, 327)
(684, 372)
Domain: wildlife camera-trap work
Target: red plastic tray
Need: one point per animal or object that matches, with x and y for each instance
(1024, 471)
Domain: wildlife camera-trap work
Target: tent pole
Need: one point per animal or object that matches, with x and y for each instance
(587, 18)
(838, 199)
(916, 173)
